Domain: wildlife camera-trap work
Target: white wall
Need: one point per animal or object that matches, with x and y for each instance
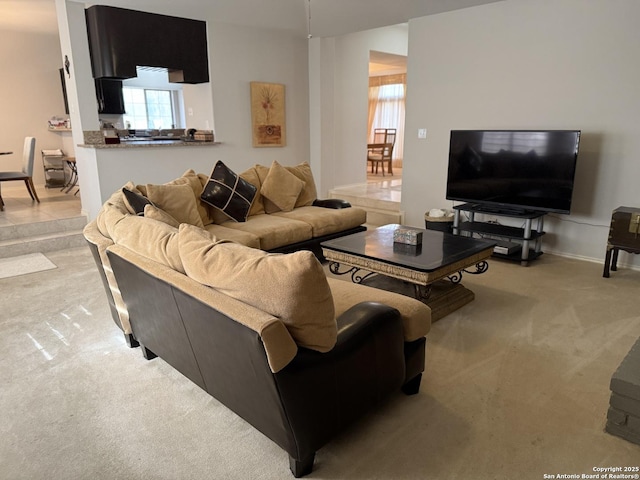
(549, 64)
(30, 94)
(340, 100)
(237, 56)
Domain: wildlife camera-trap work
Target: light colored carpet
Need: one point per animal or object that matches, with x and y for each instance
(24, 264)
(516, 386)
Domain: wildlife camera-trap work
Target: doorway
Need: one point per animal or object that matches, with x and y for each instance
(386, 117)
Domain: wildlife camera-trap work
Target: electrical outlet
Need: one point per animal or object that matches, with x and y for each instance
(422, 133)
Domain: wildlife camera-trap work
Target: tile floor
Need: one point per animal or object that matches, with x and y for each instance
(20, 209)
(388, 188)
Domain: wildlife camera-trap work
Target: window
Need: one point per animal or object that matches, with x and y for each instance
(148, 108)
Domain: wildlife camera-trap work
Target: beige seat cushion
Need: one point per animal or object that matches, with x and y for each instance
(291, 287)
(150, 238)
(155, 213)
(416, 316)
(273, 231)
(177, 200)
(109, 215)
(325, 221)
(234, 235)
(281, 187)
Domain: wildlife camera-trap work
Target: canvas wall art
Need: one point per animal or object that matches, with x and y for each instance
(268, 114)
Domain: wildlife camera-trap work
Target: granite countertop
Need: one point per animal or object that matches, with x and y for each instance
(96, 139)
(149, 144)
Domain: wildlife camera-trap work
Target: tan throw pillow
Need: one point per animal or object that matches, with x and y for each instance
(292, 287)
(177, 200)
(155, 213)
(269, 206)
(251, 176)
(191, 178)
(281, 187)
(309, 192)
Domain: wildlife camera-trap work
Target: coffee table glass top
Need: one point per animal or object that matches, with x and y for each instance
(438, 249)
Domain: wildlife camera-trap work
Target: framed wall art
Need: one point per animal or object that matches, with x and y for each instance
(267, 114)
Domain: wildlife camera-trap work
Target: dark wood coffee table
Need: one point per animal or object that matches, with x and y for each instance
(431, 271)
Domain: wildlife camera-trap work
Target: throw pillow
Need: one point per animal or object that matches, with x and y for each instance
(281, 187)
(251, 176)
(269, 206)
(215, 216)
(135, 202)
(292, 287)
(151, 211)
(228, 192)
(178, 201)
(191, 178)
(309, 192)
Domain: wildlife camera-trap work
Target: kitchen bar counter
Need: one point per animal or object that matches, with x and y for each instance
(96, 139)
(104, 168)
(148, 143)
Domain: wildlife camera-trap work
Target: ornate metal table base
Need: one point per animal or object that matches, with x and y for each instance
(356, 277)
(421, 292)
(480, 268)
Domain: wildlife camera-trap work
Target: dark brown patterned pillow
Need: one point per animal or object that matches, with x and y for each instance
(229, 193)
(136, 201)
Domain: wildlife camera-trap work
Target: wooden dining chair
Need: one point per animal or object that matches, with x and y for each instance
(26, 174)
(381, 150)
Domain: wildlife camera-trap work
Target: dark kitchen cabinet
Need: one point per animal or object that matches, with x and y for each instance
(109, 96)
(121, 39)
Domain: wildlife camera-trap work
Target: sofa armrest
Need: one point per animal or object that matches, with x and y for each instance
(334, 203)
(322, 393)
(356, 327)
(363, 321)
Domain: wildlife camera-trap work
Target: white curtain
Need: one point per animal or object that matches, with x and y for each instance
(387, 110)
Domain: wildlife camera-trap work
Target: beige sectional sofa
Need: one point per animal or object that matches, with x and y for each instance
(298, 355)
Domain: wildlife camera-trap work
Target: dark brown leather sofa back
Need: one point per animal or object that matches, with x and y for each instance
(301, 407)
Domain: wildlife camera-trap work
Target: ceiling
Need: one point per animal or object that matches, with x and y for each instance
(383, 63)
(328, 17)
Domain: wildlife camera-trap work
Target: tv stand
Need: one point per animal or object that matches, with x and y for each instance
(530, 238)
(500, 211)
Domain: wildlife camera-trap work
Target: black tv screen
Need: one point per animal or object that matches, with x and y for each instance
(513, 170)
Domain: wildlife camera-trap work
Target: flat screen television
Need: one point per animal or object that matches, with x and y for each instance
(513, 170)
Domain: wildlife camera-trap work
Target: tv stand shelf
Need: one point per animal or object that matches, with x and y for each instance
(530, 238)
